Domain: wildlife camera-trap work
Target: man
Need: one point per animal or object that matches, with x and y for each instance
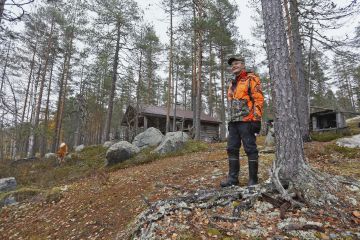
(61, 153)
(246, 102)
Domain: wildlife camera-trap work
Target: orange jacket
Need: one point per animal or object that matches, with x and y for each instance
(244, 106)
(63, 150)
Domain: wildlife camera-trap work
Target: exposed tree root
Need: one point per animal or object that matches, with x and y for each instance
(144, 226)
(315, 189)
(309, 188)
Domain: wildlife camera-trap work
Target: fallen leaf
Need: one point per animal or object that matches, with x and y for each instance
(324, 236)
(356, 214)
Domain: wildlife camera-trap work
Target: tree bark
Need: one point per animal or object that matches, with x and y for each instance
(2, 6)
(222, 76)
(301, 90)
(138, 87)
(113, 86)
(289, 144)
(81, 112)
(4, 70)
(291, 44)
(193, 70)
(43, 146)
(41, 90)
(210, 97)
(175, 93)
(63, 93)
(32, 115)
(199, 69)
(169, 97)
(32, 64)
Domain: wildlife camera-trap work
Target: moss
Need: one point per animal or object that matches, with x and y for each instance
(328, 136)
(213, 231)
(21, 194)
(187, 236)
(47, 173)
(54, 195)
(354, 126)
(345, 151)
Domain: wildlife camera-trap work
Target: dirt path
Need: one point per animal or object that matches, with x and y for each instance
(101, 206)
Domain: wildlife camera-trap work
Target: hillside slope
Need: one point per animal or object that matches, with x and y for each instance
(103, 204)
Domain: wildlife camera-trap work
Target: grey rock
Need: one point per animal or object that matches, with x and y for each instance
(69, 157)
(149, 138)
(262, 206)
(278, 238)
(347, 234)
(270, 140)
(333, 236)
(302, 234)
(9, 201)
(79, 148)
(7, 184)
(50, 156)
(120, 152)
(108, 144)
(173, 141)
(352, 201)
(350, 142)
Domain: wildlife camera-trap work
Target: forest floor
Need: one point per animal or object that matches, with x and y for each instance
(101, 205)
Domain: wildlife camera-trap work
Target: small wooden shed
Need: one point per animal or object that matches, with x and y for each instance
(153, 116)
(327, 120)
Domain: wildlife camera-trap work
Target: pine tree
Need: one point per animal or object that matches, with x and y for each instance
(120, 16)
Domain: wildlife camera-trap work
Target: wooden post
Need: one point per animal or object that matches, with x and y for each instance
(157, 123)
(145, 122)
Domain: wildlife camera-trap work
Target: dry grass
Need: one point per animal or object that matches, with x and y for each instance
(47, 173)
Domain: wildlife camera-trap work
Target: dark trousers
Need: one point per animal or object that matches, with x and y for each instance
(241, 132)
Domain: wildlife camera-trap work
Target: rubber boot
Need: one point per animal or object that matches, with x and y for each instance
(233, 177)
(253, 172)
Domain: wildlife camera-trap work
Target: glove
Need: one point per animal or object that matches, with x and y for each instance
(255, 127)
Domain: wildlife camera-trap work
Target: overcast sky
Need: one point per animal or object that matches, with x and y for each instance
(153, 13)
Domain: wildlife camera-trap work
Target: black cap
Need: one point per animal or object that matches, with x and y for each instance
(236, 58)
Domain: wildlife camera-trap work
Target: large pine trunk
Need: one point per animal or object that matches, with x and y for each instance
(289, 145)
(290, 172)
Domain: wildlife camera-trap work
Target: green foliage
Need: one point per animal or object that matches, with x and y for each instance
(54, 195)
(21, 194)
(354, 127)
(47, 173)
(213, 232)
(328, 136)
(345, 151)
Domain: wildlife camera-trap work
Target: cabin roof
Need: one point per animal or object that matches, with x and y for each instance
(156, 111)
